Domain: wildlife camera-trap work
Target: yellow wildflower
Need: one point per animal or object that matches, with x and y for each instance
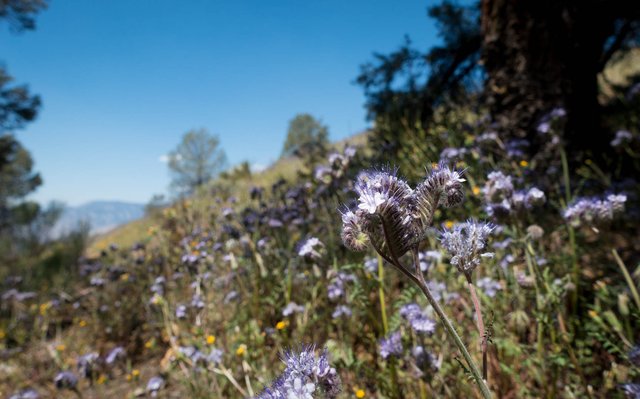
(44, 307)
(281, 325)
(359, 393)
(125, 277)
(448, 224)
(476, 190)
(524, 163)
(135, 373)
(61, 348)
(241, 350)
(148, 344)
(211, 339)
(82, 323)
(101, 379)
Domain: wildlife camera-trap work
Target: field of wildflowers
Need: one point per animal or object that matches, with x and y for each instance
(482, 274)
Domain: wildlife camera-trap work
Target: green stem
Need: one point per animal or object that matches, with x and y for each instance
(418, 279)
(572, 237)
(539, 305)
(627, 276)
(456, 338)
(480, 324)
(385, 324)
(383, 308)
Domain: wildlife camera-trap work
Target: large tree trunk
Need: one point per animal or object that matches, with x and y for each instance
(540, 54)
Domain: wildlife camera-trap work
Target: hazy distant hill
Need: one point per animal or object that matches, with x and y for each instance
(101, 216)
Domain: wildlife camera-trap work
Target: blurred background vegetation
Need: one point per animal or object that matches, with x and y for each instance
(547, 92)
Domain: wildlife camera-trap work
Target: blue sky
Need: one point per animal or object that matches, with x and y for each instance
(122, 80)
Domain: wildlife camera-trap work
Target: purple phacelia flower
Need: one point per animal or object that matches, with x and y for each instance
(116, 354)
(390, 345)
(311, 248)
(65, 380)
(304, 375)
(154, 385)
(341, 311)
(417, 318)
(181, 312)
(292, 308)
(622, 138)
(595, 211)
(489, 286)
(27, 393)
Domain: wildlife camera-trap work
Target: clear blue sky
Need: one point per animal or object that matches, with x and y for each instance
(122, 80)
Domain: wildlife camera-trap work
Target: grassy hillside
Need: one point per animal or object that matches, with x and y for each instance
(141, 230)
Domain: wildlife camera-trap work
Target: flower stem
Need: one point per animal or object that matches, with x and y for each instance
(418, 278)
(385, 324)
(480, 324)
(627, 277)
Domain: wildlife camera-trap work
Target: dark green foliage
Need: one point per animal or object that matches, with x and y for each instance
(20, 14)
(17, 105)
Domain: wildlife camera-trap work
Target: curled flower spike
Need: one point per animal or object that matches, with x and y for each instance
(353, 234)
(465, 243)
(393, 217)
(442, 187)
(384, 212)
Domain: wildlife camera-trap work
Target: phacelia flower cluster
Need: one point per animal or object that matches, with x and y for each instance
(391, 345)
(391, 215)
(595, 211)
(466, 242)
(305, 377)
(311, 248)
(417, 318)
(503, 200)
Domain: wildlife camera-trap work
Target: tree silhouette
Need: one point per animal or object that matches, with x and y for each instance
(197, 159)
(305, 135)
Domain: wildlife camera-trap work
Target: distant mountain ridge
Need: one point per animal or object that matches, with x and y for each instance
(102, 216)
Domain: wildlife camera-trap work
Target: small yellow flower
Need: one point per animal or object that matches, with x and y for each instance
(359, 393)
(524, 163)
(129, 377)
(593, 314)
(281, 325)
(211, 339)
(82, 323)
(241, 350)
(448, 224)
(44, 307)
(148, 344)
(434, 165)
(476, 190)
(135, 373)
(61, 348)
(101, 379)
(125, 277)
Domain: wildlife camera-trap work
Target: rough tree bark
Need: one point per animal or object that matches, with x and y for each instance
(544, 53)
